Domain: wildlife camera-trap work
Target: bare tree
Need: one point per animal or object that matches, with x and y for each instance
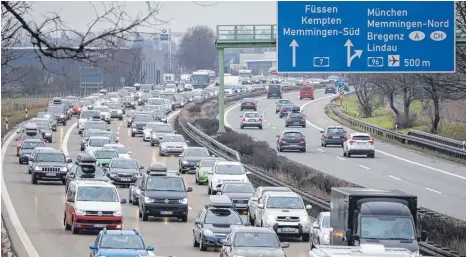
(197, 49)
(410, 89)
(365, 91)
(384, 82)
(461, 31)
(121, 27)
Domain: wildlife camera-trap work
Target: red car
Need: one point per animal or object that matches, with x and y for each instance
(76, 109)
(307, 91)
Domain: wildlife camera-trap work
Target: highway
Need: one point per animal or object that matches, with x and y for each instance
(39, 208)
(439, 184)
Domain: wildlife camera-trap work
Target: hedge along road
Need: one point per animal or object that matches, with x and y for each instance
(39, 208)
(439, 184)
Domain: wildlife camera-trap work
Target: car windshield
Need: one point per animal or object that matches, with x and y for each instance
(75, 103)
(130, 89)
(43, 125)
(156, 102)
(293, 135)
(114, 105)
(285, 203)
(296, 115)
(336, 130)
(32, 145)
(306, 89)
(170, 86)
(177, 138)
(99, 142)
(326, 222)
(84, 170)
(165, 184)
(102, 108)
(128, 99)
(162, 128)
(248, 100)
(238, 188)
(145, 96)
(122, 242)
(284, 101)
(50, 157)
(229, 169)
(89, 114)
(124, 164)
(330, 86)
(55, 109)
(387, 227)
(264, 240)
(222, 217)
(120, 150)
(44, 115)
(361, 138)
(149, 108)
(113, 95)
(160, 114)
(144, 118)
(97, 194)
(208, 163)
(252, 115)
(102, 134)
(197, 153)
(287, 107)
(25, 136)
(105, 154)
(97, 125)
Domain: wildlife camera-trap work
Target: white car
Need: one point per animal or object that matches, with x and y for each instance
(359, 144)
(104, 113)
(96, 143)
(226, 171)
(121, 150)
(286, 213)
(169, 88)
(147, 132)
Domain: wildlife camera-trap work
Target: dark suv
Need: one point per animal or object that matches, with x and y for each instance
(163, 195)
(49, 165)
(191, 157)
(60, 113)
(333, 135)
(330, 88)
(249, 103)
(274, 90)
(140, 121)
(291, 140)
(295, 119)
(123, 171)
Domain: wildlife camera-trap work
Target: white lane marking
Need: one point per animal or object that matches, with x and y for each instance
(66, 138)
(388, 154)
(31, 251)
(433, 190)
(318, 149)
(393, 177)
(118, 132)
(274, 127)
(118, 128)
(340, 158)
(362, 166)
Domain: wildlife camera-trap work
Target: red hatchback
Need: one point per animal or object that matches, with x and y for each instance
(307, 91)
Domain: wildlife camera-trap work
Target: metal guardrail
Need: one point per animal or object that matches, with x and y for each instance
(396, 136)
(436, 138)
(427, 248)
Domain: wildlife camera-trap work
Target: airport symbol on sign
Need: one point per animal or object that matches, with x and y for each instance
(394, 61)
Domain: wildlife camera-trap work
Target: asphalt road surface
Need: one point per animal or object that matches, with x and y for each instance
(439, 184)
(39, 208)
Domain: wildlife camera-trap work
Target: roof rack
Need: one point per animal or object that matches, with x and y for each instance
(219, 201)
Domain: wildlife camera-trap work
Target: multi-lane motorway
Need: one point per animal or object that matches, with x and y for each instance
(439, 184)
(37, 210)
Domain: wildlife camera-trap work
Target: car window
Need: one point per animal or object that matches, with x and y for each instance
(99, 194)
(114, 105)
(229, 169)
(247, 239)
(292, 135)
(208, 163)
(162, 128)
(124, 164)
(362, 138)
(252, 115)
(55, 109)
(105, 154)
(32, 145)
(296, 115)
(120, 150)
(144, 118)
(326, 222)
(101, 126)
(102, 108)
(89, 114)
(99, 142)
(222, 217)
(283, 101)
(25, 136)
(306, 88)
(336, 130)
(285, 203)
(177, 138)
(165, 184)
(50, 157)
(89, 169)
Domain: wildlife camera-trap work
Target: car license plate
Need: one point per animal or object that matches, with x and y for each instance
(166, 212)
(294, 145)
(124, 179)
(335, 137)
(295, 123)
(252, 120)
(100, 225)
(50, 174)
(241, 205)
(288, 230)
(361, 143)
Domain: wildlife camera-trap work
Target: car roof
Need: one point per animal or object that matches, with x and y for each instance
(122, 159)
(334, 126)
(281, 194)
(43, 148)
(100, 131)
(236, 182)
(276, 189)
(121, 233)
(360, 134)
(213, 158)
(228, 163)
(253, 229)
(33, 140)
(51, 151)
(196, 147)
(92, 183)
(157, 165)
(292, 130)
(114, 145)
(97, 137)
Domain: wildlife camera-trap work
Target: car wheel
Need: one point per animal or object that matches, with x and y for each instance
(145, 217)
(260, 127)
(74, 230)
(33, 179)
(196, 180)
(50, 141)
(202, 247)
(195, 243)
(208, 190)
(184, 218)
(279, 149)
(286, 125)
(304, 126)
(67, 226)
(324, 144)
(300, 98)
(348, 154)
(121, 118)
(241, 109)
(133, 135)
(242, 127)
(151, 144)
(305, 237)
(372, 155)
(20, 162)
(344, 153)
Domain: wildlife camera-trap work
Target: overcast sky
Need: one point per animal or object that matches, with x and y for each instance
(181, 15)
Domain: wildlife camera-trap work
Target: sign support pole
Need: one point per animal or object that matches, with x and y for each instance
(221, 92)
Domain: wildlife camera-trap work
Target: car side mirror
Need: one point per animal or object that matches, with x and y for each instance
(150, 248)
(213, 155)
(248, 173)
(141, 168)
(285, 245)
(260, 206)
(321, 132)
(189, 189)
(68, 160)
(129, 152)
(308, 207)
(92, 246)
(180, 155)
(316, 225)
(123, 200)
(187, 141)
(277, 136)
(17, 132)
(226, 243)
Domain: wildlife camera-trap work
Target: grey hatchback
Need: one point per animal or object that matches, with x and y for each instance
(291, 140)
(333, 135)
(295, 119)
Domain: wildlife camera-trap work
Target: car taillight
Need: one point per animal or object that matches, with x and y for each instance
(345, 136)
(260, 120)
(371, 142)
(352, 142)
(289, 118)
(302, 139)
(302, 118)
(325, 135)
(244, 119)
(244, 102)
(283, 139)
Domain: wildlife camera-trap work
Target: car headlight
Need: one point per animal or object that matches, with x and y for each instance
(218, 180)
(63, 169)
(185, 147)
(154, 136)
(117, 213)
(163, 147)
(62, 116)
(112, 175)
(143, 127)
(207, 232)
(270, 219)
(304, 219)
(80, 212)
(134, 129)
(184, 201)
(129, 120)
(148, 200)
(185, 162)
(37, 168)
(119, 111)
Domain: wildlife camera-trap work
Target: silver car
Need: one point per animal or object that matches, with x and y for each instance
(116, 110)
(172, 144)
(251, 119)
(147, 132)
(135, 191)
(320, 231)
(158, 131)
(104, 113)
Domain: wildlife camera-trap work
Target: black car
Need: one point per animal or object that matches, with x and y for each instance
(49, 116)
(163, 195)
(27, 148)
(49, 165)
(140, 121)
(330, 88)
(295, 119)
(45, 128)
(191, 157)
(253, 241)
(248, 103)
(59, 112)
(214, 223)
(239, 193)
(123, 171)
(291, 140)
(85, 168)
(286, 108)
(333, 135)
(274, 90)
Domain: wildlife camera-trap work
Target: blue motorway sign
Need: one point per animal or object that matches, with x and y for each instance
(91, 76)
(366, 36)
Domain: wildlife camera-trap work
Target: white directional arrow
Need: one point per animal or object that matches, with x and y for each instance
(349, 57)
(294, 44)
